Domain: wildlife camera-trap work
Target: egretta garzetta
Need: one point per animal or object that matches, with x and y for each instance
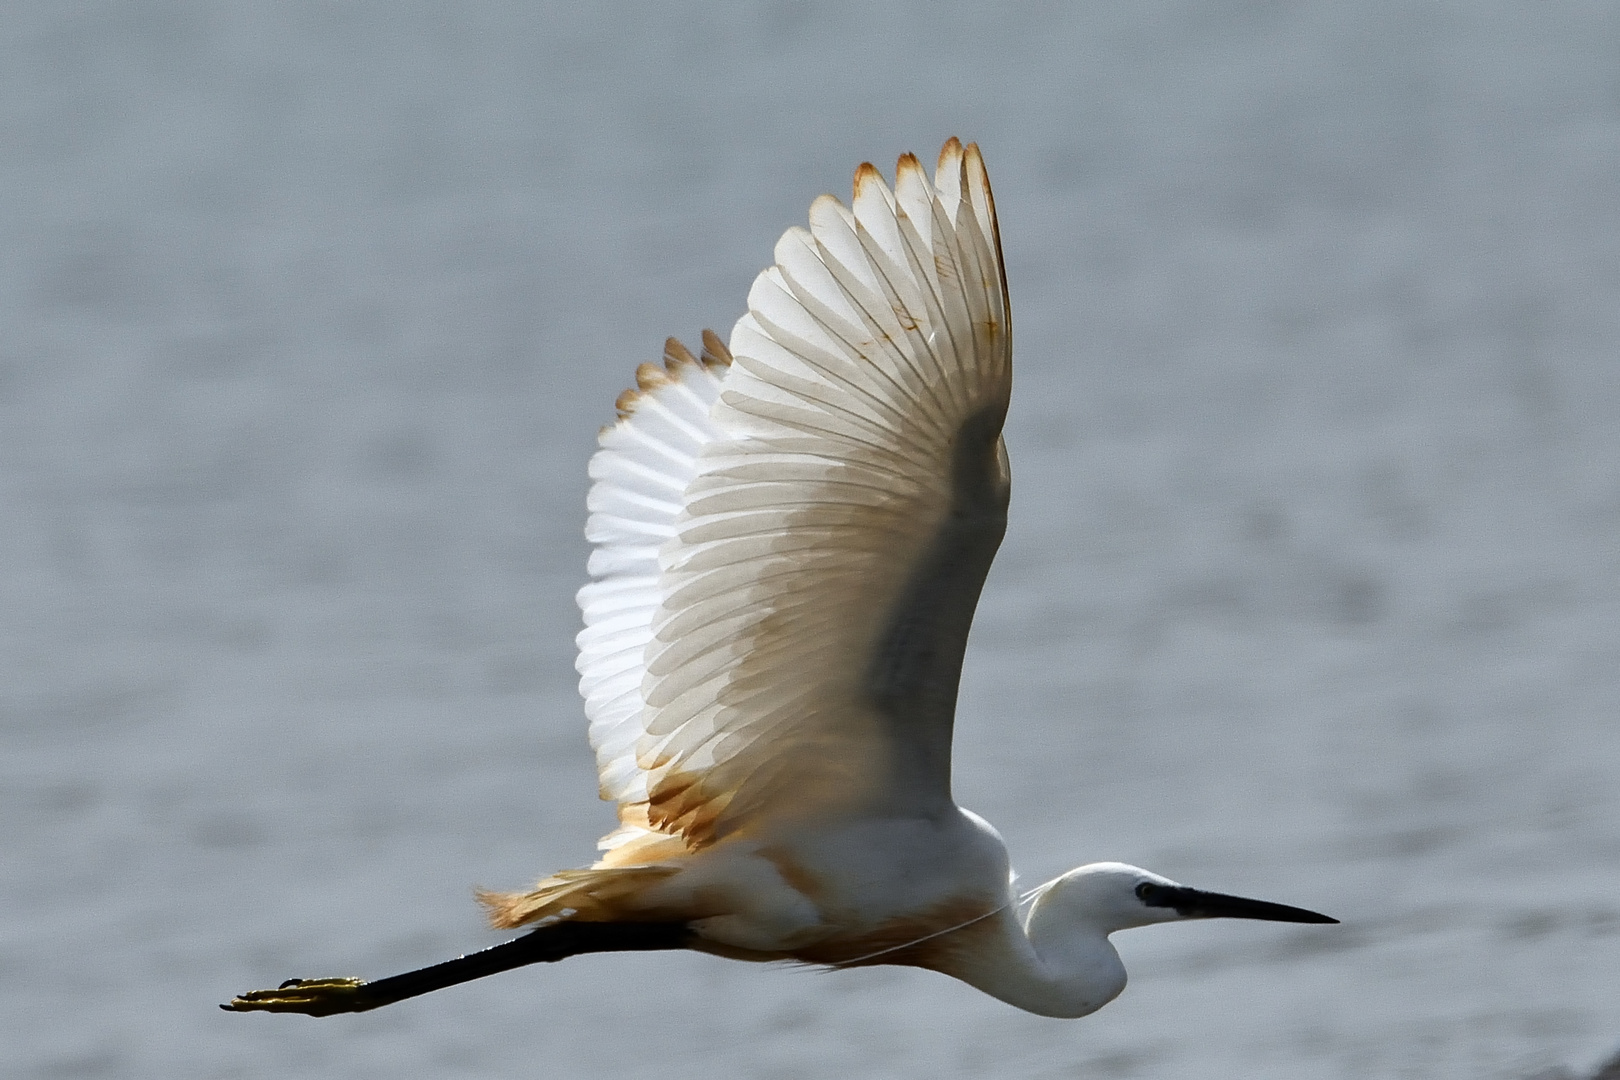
(790, 539)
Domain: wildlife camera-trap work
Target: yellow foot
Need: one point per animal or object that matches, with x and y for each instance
(313, 997)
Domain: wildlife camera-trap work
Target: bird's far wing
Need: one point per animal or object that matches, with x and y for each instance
(638, 480)
(817, 589)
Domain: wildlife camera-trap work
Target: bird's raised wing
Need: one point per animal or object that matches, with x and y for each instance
(821, 533)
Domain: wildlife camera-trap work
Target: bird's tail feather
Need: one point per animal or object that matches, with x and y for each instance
(600, 894)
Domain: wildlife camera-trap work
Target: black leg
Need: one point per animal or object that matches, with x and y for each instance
(323, 997)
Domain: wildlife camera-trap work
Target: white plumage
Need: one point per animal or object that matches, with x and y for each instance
(790, 536)
(639, 479)
(769, 533)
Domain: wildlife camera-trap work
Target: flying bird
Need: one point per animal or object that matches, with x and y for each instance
(790, 536)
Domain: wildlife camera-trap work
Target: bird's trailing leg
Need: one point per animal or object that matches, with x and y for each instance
(324, 997)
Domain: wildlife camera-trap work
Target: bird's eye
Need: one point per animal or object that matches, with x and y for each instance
(1146, 890)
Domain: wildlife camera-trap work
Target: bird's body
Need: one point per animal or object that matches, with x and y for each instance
(870, 890)
(790, 537)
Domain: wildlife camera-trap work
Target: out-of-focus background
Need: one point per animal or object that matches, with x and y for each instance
(309, 313)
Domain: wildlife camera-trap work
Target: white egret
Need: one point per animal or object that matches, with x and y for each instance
(790, 539)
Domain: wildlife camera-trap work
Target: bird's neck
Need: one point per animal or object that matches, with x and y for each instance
(1050, 965)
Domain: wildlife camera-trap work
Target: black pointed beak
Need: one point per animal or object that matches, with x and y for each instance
(1198, 904)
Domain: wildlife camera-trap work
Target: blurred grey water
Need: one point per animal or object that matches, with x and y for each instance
(309, 313)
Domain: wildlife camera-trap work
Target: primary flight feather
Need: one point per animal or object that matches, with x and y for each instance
(790, 537)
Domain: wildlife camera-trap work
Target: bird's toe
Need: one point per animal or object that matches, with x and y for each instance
(312, 997)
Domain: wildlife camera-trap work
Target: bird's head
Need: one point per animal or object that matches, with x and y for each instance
(1115, 896)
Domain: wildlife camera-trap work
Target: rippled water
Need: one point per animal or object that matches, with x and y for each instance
(310, 313)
